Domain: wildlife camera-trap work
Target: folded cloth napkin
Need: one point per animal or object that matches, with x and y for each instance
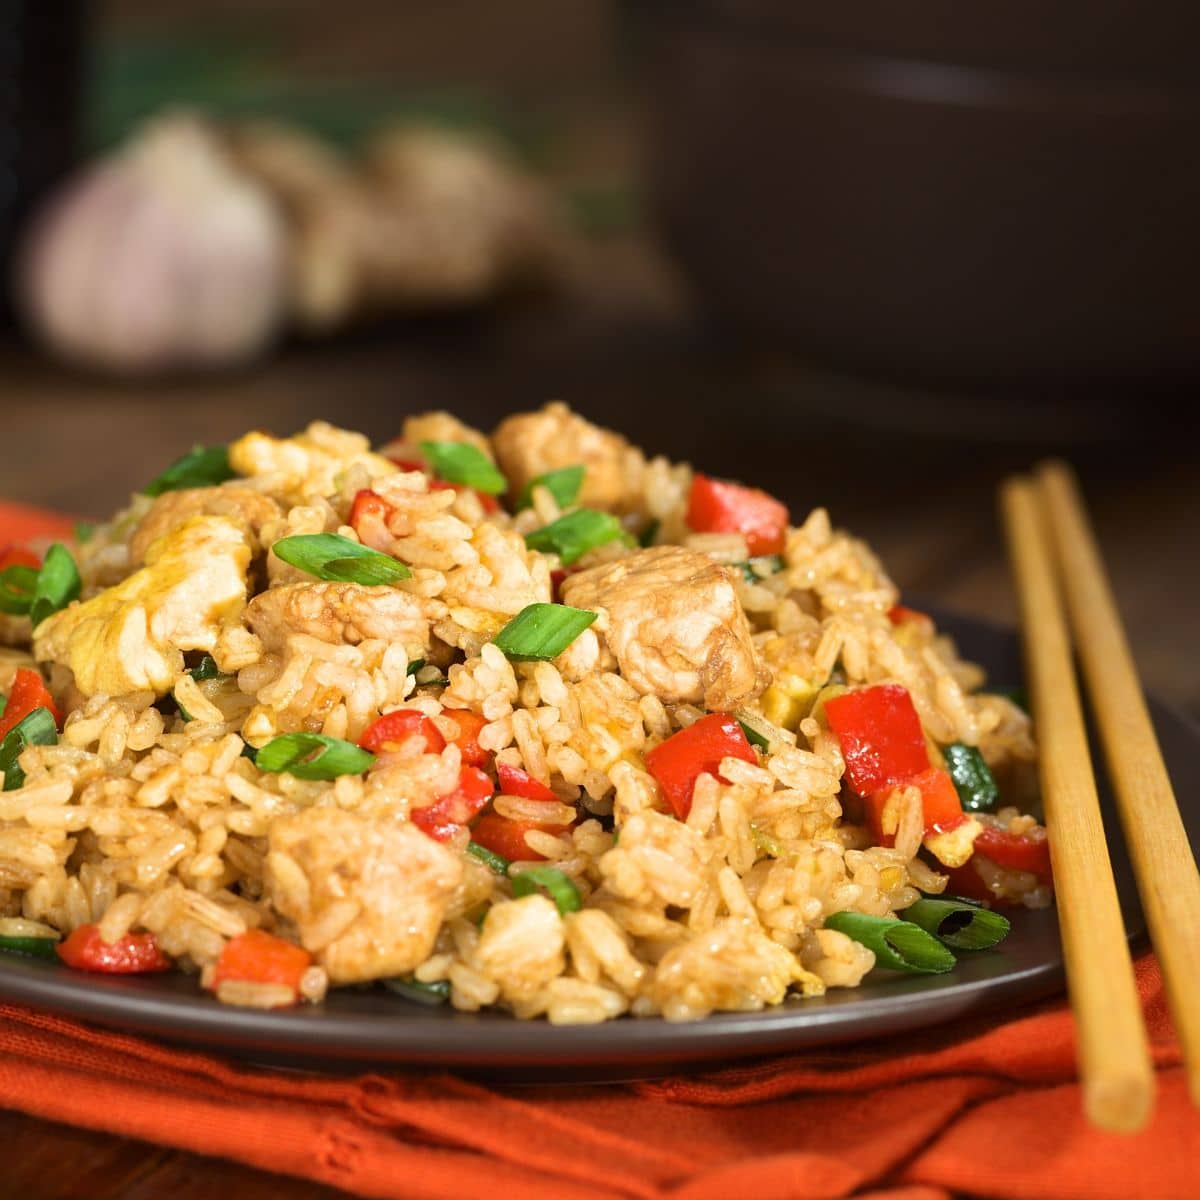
(988, 1107)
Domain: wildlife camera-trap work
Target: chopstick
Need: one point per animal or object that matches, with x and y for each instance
(1167, 876)
(1114, 1056)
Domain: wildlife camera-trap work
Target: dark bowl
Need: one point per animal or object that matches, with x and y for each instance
(998, 192)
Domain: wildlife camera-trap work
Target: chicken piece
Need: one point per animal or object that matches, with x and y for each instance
(530, 444)
(131, 637)
(338, 613)
(243, 505)
(521, 946)
(674, 625)
(441, 427)
(298, 468)
(367, 895)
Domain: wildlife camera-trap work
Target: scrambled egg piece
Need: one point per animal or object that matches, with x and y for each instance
(131, 637)
(248, 508)
(307, 464)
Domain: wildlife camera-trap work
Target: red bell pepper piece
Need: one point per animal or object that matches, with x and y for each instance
(133, 954)
(409, 464)
(28, 692)
(967, 882)
(901, 614)
(880, 735)
(516, 782)
(260, 957)
(715, 506)
(1016, 851)
(506, 837)
(469, 724)
(396, 727)
(17, 556)
(446, 815)
(678, 762)
(940, 804)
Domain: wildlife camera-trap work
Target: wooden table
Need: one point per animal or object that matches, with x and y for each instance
(914, 472)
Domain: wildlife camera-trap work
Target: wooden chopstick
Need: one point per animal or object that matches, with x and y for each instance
(1114, 1056)
(1167, 876)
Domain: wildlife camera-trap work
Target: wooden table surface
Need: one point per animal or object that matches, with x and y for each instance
(914, 472)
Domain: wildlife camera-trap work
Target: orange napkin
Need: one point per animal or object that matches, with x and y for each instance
(989, 1107)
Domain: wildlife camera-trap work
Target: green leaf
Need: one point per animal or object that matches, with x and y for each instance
(540, 632)
(489, 858)
(58, 583)
(573, 535)
(312, 756)
(898, 945)
(334, 557)
(460, 462)
(34, 729)
(202, 466)
(562, 891)
(563, 485)
(963, 924)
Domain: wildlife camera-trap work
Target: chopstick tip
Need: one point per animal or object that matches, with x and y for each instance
(1122, 1104)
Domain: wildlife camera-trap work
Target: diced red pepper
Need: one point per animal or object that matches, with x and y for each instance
(395, 727)
(506, 837)
(409, 464)
(901, 614)
(260, 957)
(28, 692)
(880, 735)
(940, 804)
(556, 581)
(1016, 852)
(469, 724)
(516, 782)
(715, 506)
(446, 815)
(17, 556)
(134, 954)
(678, 762)
(966, 881)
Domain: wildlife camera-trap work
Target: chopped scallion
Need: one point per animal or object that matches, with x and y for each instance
(573, 535)
(562, 891)
(202, 466)
(754, 569)
(540, 632)
(974, 782)
(58, 583)
(17, 587)
(83, 531)
(415, 665)
(423, 993)
(30, 947)
(753, 736)
(489, 858)
(962, 924)
(331, 556)
(768, 845)
(898, 945)
(563, 485)
(206, 669)
(312, 756)
(460, 462)
(34, 729)
(647, 536)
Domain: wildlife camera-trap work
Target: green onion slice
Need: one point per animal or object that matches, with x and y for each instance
(962, 924)
(17, 587)
(754, 569)
(489, 858)
(974, 782)
(331, 556)
(34, 729)
(58, 583)
(562, 891)
(206, 669)
(312, 756)
(422, 993)
(30, 947)
(414, 666)
(563, 485)
(647, 536)
(83, 531)
(753, 736)
(898, 945)
(573, 535)
(460, 462)
(202, 466)
(540, 632)
(766, 843)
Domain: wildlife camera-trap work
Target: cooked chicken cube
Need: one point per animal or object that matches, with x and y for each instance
(338, 613)
(675, 626)
(530, 444)
(367, 895)
(243, 505)
(441, 427)
(131, 637)
(307, 464)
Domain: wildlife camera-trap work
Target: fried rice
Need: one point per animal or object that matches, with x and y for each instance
(151, 816)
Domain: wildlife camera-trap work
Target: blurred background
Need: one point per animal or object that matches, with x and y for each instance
(873, 259)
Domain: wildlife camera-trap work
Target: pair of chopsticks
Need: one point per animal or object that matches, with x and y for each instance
(1055, 557)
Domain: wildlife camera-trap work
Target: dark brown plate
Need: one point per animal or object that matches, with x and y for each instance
(371, 1026)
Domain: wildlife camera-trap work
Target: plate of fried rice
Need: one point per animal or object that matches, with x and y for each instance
(510, 748)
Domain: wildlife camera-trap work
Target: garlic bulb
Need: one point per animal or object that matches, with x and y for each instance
(160, 256)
